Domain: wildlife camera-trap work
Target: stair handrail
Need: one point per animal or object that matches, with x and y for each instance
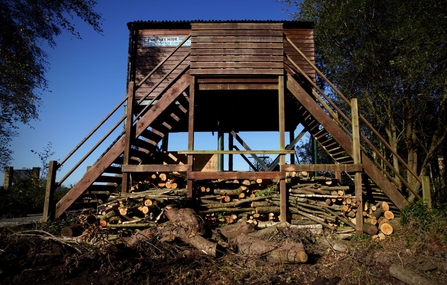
(335, 118)
(162, 62)
(78, 146)
(92, 132)
(104, 120)
(362, 118)
(91, 151)
(146, 108)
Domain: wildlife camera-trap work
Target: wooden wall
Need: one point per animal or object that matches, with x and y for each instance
(217, 49)
(237, 49)
(152, 47)
(304, 40)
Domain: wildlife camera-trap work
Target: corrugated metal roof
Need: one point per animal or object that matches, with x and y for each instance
(185, 24)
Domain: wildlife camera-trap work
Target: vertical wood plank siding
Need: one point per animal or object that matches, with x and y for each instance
(237, 49)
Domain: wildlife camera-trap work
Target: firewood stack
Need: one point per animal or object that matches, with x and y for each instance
(379, 220)
(158, 180)
(319, 200)
(311, 200)
(137, 209)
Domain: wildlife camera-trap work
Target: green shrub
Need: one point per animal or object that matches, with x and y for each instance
(424, 225)
(23, 197)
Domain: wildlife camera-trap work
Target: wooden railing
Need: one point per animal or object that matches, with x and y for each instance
(336, 113)
(52, 184)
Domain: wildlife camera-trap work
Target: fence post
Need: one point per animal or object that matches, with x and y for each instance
(35, 175)
(9, 174)
(48, 207)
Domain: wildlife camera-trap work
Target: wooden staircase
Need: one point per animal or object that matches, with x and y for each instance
(336, 142)
(105, 175)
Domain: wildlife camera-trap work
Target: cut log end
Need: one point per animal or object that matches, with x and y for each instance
(386, 228)
(388, 215)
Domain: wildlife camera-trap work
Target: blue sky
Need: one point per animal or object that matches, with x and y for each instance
(87, 78)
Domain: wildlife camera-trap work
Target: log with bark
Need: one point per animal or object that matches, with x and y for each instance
(232, 231)
(185, 218)
(189, 228)
(274, 252)
(408, 276)
(202, 244)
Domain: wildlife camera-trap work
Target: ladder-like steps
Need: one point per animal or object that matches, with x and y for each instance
(324, 138)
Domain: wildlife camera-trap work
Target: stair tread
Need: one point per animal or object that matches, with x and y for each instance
(112, 179)
(94, 187)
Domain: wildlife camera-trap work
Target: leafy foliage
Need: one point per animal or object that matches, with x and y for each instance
(23, 197)
(27, 192)
(425, 227)
(26, 25)
(393, 58)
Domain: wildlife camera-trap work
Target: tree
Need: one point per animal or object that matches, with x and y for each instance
(26, 25)
(392, 56)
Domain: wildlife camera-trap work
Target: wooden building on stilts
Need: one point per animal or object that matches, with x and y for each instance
(233, 77)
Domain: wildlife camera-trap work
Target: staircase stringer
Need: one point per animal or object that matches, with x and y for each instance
(345, 142)
(118, 148)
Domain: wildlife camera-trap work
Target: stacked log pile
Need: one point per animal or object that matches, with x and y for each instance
(148, 181)
(318, 200)
(379, 220)
(311, 201)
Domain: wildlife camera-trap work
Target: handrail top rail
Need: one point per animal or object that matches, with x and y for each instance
(362, 118)
(236, 151)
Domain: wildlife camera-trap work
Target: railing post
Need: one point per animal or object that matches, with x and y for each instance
(128, 134)
(48, 207)
(282, 145)
(356, 148)
(192, 91)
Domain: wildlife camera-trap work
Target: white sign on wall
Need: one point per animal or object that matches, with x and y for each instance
(165, 41)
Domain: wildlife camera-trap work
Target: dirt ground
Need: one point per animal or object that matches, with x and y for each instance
(35, 255)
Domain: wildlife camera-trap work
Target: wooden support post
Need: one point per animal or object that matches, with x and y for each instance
(48, 207)
(357, 160)
(128, 135)
(165, 142)
(426, 194)
(220, 146)
(291, 138)
(9, 175)
(315, 153)
(289, 147)
(282, 145)
(192, 89)
(338, 175)
(230, 156)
